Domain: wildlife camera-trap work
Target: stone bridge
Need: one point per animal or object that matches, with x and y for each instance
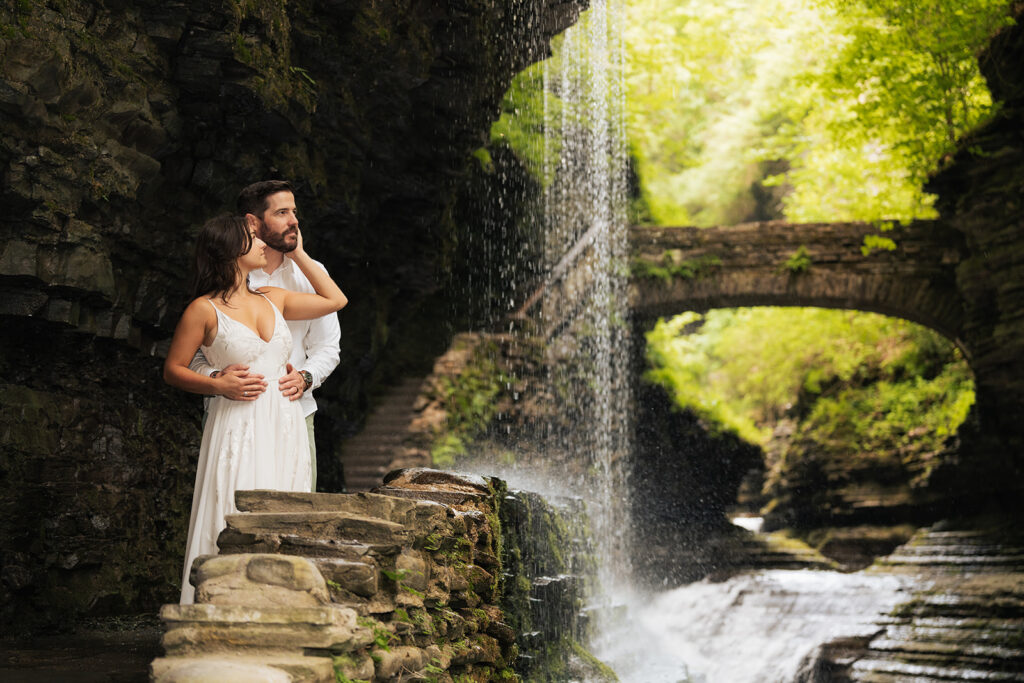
(784, 264)
(958, 277)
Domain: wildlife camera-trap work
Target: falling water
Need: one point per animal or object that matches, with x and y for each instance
(585, 250)
(581, 312)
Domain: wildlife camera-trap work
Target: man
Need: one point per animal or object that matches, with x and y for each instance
(269, 207)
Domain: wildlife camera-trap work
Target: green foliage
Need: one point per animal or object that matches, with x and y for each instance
(299, 71)
(681, 362)
(471, 401)
(522, 121)
(382, 637)
(534, 118)
(483, 155)
(672, 266)
(395, 575)
(411, 591)
(339, 677)
(892, 415)
(432, 542)
(241, 49)
(342, 662)
(845, 106)
(446, 449)
(872, 242)
(799, 261)
(745, 369)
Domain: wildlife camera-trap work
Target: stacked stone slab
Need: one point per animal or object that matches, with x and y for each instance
(966, 624)
(397, 585)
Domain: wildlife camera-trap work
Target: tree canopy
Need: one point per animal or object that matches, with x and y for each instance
(807, 110)
(844, 106)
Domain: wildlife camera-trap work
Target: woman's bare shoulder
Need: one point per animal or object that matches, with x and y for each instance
(199, 308)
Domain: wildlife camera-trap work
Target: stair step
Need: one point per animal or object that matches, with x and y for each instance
(367, 456)
(926, 669)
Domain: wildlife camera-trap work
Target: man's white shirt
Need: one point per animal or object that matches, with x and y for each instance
(315, 343)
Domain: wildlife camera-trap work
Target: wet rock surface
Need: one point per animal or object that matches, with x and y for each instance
(964, 618)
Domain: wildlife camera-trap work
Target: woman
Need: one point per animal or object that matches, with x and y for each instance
(258, 442)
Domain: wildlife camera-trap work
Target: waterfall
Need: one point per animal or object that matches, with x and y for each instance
(585, 234)
(583, 311)
(564, 117)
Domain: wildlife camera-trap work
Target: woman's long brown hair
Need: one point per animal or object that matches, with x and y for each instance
(219, 244)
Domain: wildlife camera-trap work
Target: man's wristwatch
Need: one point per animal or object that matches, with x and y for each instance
(307, 378)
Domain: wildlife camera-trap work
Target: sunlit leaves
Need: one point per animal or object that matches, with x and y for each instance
(522, 125)
(747, 368)
(860, 100)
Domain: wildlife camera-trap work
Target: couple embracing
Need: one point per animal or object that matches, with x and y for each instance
(233, 338)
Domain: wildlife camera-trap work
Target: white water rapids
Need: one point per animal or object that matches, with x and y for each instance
(753, 628)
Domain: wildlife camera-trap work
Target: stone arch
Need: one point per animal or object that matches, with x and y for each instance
(783, 264)
(690, 269)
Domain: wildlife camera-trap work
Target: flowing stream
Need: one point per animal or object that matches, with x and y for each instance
(760, 627)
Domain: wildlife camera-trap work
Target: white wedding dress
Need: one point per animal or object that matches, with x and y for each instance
(261, 444)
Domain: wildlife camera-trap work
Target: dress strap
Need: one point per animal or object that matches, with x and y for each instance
(277, 311)
(215, 307)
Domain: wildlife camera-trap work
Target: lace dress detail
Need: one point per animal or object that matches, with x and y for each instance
(261, 444)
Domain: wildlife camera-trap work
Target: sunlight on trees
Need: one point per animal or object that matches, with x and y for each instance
(876, 378)
(807, 110)
(843, 106)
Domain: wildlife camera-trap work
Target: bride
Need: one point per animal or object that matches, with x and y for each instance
(259, 441)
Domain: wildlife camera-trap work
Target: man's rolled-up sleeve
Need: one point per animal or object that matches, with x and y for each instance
(322, 344)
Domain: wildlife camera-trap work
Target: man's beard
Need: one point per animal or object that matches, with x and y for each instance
(277, 241)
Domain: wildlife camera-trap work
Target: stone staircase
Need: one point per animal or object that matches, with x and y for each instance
(381, 446)
(967, 624)
(777, 551)
(323, 587)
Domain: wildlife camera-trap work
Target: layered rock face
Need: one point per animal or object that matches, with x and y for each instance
(980, 195)
(962, 622)
(123, 126)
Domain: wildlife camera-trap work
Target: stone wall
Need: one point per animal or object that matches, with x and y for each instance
(433, 576)
(812, 264)
(123, 126)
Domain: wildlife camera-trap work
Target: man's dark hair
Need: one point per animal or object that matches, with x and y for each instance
(253, 199)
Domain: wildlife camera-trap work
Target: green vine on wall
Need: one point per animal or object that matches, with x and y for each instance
(799, 261)
(673, 266)
(470, 400)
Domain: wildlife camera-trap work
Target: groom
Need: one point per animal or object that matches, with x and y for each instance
(269, 207)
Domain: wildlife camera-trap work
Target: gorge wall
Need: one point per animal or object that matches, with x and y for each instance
(123, 126)
(980, 194)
